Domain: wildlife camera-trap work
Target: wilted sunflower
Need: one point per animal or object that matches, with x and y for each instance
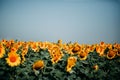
(13, 59)
(2, 51)
(38, 65)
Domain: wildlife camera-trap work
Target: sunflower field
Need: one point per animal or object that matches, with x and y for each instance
(29, 60)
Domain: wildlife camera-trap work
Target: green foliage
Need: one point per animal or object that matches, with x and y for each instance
(83, 70)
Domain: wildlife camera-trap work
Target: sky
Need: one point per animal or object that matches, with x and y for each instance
(83, 21)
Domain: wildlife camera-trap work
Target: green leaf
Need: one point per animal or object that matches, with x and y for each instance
(36, 72)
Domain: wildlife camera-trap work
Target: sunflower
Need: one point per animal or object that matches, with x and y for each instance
(8, 44)
(102, 44)
(100, 50)
(55, 48)
(2, 51)
(90, 48)
(96, 67)
(34, 47)
(38, 65)
(4, 41)
(56, 56)
(118, 53)
(60, 43)
(109, 46)
(13, 59)
(76, 48)
(42, 45)
(70, 63)
(83, 55)
(111, 54)
(117, 48)
(48, 45)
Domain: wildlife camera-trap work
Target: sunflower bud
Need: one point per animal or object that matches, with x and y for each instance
(96, 67)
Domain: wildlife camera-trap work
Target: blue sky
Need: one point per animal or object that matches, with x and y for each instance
(84, 21)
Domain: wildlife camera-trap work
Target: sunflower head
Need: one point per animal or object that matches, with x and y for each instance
(102, 43)
(13, 59)
(2, 51)
(96, 67)
(48, 45)
(70, 63)
(83, 55)
(90, 48)
(56, 56)
(34, 47)
(38, 65)
(100, 50)
(111, 54)
(76, 48)
(42, 45)
(4, 41)
(59, 42)
(118, 52)
(109, 46)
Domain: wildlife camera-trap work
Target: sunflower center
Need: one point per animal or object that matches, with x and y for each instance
(76, 49)
(13, 59)
(82, 55)
(110, 54)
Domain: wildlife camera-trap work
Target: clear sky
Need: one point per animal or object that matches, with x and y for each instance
(83, 21)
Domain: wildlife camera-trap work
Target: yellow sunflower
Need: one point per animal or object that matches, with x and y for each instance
(111, 54)
(13, 59)
(38, 65)
(100, 50)
(56, 56)
(83, 55)
(118, 53)
(42, 45)
(90, 48)
(60, 43)
(34, 47)
(70, 63)
(76, 48)
(4, 41)
(48, 45)
(2, 51)
(102, 44)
